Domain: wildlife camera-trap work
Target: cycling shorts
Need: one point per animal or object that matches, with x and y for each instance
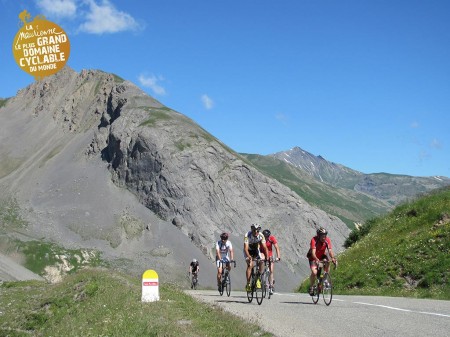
(225, 260)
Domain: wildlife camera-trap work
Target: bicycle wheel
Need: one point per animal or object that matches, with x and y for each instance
(315, 296)
(259, 292)
(228, 284)
(221, 285)
(252, 284)
(327, 289)
(194, 283)
(264, 284)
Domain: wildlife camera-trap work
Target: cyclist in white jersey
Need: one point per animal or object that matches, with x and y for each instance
(224, 252)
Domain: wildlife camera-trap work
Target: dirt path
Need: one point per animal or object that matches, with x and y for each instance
(12, 271)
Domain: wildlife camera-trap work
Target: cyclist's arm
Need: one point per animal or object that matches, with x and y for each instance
(278, 250)
(231, 254)
(333, 258)
(218, 256)
(247, 254)
(266, 251)
(313, 254)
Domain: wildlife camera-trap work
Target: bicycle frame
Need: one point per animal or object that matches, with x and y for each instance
(255, 276)
(194, 280)
(266, 276)
(323, 284)
(225, 281)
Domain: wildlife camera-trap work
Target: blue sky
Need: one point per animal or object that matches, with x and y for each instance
(362, 83)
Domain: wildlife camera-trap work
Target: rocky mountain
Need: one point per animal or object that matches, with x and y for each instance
(92, 161)
(390, 188)
(349, 205)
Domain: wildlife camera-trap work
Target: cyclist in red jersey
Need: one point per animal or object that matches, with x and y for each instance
(319, 246)
(271, 241)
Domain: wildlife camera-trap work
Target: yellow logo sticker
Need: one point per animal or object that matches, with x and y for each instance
(41, 48)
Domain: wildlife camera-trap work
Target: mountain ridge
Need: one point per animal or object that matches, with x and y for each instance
(392, 188)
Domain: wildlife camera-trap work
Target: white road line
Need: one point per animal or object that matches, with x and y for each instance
(400, 309)
(381, 306)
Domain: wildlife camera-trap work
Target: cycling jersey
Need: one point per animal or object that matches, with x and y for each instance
(253, 241)
(224, 249)
(269, 243)
(194, 266)
(320, 247)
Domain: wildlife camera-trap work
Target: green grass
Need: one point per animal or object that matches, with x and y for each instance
(405, 253)
(39, 255)
(156, 114)
(3, 102)
(98, 302)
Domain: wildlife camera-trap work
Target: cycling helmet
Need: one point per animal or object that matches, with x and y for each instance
(322, 231)
(266, 233)
(194, 261)
(224, 236)
(256, 226)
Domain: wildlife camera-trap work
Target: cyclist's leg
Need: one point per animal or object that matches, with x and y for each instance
(248, 272)
(326, 264)
(261, 263)
(219, 271)
(271, 268)
(312, 276)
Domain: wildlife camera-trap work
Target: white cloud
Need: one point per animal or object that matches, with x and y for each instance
(436, 144)
(59, 8)
(208, 103)
(105, 18)
(152, 83)
(415, 125)
(281, 117)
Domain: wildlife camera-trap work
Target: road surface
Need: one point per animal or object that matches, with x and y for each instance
(292, 315)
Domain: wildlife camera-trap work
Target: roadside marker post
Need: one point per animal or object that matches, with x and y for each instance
(150, 286)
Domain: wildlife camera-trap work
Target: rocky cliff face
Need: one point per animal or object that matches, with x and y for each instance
(189, 178)
(60, 138)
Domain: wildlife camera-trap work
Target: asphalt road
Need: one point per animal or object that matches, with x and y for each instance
(288, 314)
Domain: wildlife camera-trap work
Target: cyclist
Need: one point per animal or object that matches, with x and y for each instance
(194, 268)
(318, 247)
(224, 252)
(271, 241)
(254, 241)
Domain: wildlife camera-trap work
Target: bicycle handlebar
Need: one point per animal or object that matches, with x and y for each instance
(228, 261)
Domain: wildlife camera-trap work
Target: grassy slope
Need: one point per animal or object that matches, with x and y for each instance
(405, 253)
(98, 302)
(348, 205)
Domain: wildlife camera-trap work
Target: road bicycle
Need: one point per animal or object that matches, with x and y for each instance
(265, 277)
(255, 278)
(194, 281)
(225, 278)
(323, 284)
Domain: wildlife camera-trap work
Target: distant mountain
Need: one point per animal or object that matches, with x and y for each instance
(349, 205)
(390, 188)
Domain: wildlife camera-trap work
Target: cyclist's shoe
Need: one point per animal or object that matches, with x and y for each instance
(248, 287)
(311, 291)
(326, 285)
(271, 291)
(258, 284)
